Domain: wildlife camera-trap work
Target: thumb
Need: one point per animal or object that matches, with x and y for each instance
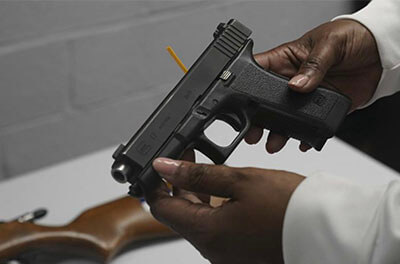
(313, 70)
(179, 214)
(215, 180)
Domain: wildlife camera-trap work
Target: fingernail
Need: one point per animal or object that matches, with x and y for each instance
(166, 166)
(299, 81)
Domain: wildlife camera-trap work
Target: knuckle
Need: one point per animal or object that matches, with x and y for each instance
(314, 63)
(241, 174)
(333, 37)
(245, 177)
(197, 174)
(306, 41)
(233, 178)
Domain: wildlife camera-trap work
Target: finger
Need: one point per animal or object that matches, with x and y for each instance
(200, 178)
(304, 147)
(161, 191)
(218, 201)
(190, 196)
(263, 59)
(275, 142)
(180, 214)
(189, 155)
(205, 198)
(254, 135)
(313, 70)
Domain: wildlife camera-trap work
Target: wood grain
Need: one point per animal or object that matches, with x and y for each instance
(99, 233)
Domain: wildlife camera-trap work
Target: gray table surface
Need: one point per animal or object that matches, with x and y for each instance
(68, 188)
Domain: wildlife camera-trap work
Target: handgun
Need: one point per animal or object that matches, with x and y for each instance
(225, 83)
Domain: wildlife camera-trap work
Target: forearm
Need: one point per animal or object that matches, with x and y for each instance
(382, 18)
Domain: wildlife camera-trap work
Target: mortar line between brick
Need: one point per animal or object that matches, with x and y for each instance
(98, 29)
(138, 16)
(181, 8)
(30, 123)
(156, 91)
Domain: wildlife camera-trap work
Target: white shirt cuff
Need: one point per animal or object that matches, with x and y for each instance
(382, 18)
(328, 221)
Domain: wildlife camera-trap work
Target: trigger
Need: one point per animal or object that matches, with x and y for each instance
(232, 119)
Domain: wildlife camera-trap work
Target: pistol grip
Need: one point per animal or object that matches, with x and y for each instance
(310, 117)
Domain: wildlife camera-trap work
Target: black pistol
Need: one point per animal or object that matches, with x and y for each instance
(227, 84)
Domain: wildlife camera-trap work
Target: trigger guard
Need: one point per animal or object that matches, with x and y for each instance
(214, 152)
(219, 154)
(232, 119)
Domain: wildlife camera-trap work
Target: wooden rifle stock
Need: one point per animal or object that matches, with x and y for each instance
(99, 233)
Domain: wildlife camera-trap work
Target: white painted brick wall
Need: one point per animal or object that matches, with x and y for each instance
(76, 133)
(77, 76)
(24, 19)
(107, 66)
(33, 82)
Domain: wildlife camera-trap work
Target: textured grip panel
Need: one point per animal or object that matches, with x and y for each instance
(270, 89)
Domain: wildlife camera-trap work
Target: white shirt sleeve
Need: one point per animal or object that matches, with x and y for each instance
(382, 18)
(331, 220)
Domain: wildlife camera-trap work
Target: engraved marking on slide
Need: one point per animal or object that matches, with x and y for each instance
(143, 148)
(164, 122)
(153, 136)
